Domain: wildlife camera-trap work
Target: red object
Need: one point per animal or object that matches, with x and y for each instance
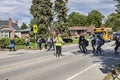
(94, 29)
(102, 29)
(53, 32)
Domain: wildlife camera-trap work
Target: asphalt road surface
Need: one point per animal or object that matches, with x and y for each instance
(73, 65)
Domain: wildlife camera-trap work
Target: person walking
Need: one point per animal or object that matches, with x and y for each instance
(27, 42)
(39, 41)
(80, 42)
(51, 44)
(12, 45)
(99, 43)
(58, 43)
(117, 45)
(46, 43)
(93, 42)
(85, 43)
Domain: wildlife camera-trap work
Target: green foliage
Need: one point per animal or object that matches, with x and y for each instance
(42, 15)
(4, 42)
(76, 19)
(113, 21)
(24, 26)
(118, 5)
(60, 11)
(95, 18)
(32, 40)
(19, 41)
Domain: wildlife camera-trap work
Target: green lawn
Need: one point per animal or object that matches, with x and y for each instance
(35, 46)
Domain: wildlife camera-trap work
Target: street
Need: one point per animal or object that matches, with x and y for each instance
(73, 65)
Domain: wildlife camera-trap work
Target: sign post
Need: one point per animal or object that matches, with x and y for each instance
(35, 30)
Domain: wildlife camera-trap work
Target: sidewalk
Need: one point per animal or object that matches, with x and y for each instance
(7, 54)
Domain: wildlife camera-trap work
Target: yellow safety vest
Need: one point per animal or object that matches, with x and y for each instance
(58, 41)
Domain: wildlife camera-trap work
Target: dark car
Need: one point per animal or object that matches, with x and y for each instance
(116, 35)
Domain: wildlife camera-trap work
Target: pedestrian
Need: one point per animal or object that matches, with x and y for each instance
(85, 43)
(51, 44)
(99, 44)
(27, 42)
(117, 45)
(39, 41)
(80, 42)
(12, 44)
(93, 42)
(46, 43)
(58, 43)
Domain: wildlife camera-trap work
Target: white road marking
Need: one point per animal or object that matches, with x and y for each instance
(70, 78)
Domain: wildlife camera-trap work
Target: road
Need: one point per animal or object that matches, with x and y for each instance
(72, 65)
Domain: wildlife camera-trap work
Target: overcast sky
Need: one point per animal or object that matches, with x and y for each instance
(19, 9)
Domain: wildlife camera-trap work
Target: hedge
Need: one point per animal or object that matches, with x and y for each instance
(4, 42)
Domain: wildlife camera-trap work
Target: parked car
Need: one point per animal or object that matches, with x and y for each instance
(116, 35)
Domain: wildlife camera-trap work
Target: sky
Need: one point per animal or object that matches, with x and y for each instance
(19, 9)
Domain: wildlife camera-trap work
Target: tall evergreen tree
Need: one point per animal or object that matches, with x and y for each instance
(24, 26)
(60, 11)
(118, 5)
(42, 15)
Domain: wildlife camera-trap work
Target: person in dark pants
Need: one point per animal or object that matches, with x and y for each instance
(93, 42)
(51, 44)
(58, 43)
(99, 43)
(39, 41)
(46, 43)
(12, 45)
(80, 42)
(85, 43)
(117, 45)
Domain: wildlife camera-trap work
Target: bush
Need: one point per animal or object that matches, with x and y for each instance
(32, 40)
(4, 42)
(19, 41)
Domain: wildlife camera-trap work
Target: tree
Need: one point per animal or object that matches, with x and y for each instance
(113, 21)
(42, 16)
(24, 26)
(60, 11)
(95, 18)
(118, 5)
(76, 19)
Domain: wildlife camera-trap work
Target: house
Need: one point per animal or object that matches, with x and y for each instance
(81, 29)
(9, 29)
(25, 32)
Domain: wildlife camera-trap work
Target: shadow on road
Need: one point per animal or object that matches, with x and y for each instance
(108, 60)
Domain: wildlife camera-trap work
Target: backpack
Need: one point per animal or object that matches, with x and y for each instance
(86, 42)
(102, 41)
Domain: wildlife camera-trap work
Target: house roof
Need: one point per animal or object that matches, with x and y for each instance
(5, 23)
(5, 28)
(89, 29)
(26, 30)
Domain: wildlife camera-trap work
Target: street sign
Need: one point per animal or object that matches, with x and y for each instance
(35, 28)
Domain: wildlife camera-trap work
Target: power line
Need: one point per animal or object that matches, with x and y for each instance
(15, 8)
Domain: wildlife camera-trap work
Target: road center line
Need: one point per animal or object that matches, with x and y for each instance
(70, 78)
